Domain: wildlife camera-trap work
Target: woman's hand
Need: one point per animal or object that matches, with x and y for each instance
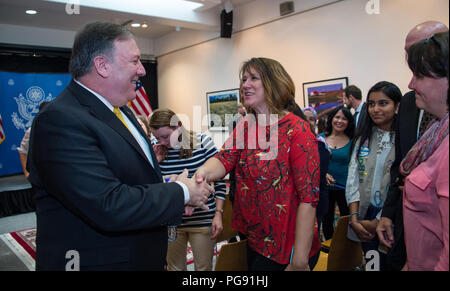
(302, 267)
(370, 225)
(188, 210)
(217, 226)
(160, 152)
(361, 231)
(330, 180)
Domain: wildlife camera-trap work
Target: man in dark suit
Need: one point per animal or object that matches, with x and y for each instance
(409, 126)
(353, 99)
(101, 203)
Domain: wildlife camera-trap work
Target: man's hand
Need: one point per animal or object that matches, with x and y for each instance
(385, 233)
(198, 192)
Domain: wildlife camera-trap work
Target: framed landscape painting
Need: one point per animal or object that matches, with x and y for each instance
(324, 95)
(222, 105)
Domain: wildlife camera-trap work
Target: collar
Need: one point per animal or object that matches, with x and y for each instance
(359, 107)
(106, 102)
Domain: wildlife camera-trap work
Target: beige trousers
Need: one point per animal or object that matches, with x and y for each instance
(202, 249)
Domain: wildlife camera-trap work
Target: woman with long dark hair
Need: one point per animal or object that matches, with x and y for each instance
(338, 135)
(373, 153)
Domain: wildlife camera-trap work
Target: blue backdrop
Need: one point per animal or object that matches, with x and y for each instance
(20, 97)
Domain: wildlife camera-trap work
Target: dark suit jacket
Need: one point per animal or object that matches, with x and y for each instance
(362, 114)
(405, 138)
(96, 192)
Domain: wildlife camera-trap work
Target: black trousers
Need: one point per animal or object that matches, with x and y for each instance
(334, 196)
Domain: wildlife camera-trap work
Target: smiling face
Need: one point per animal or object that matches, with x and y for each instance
(166, 135)
(253, 90)
(339, 122)
(381, 110)
(125, 70)
(431, 94)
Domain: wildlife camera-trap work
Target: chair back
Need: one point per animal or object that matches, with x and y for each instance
(232, 257)
(344, 254)
(227, 231)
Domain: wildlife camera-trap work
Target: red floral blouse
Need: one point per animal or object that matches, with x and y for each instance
(275, 172)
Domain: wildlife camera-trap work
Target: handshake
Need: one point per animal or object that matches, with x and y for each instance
(199, 190)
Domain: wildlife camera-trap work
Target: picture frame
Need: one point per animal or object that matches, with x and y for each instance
(324, 95)
(222, 106)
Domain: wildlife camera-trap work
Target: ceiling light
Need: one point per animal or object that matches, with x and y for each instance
(31, 12)
(145, 25)
(136, 25)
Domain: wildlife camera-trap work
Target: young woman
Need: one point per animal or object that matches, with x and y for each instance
(180, 149)
(338, 135)
(373, 153)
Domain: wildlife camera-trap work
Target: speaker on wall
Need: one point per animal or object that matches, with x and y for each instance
(226, 24)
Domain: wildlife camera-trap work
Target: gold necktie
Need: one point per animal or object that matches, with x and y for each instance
(119, 115)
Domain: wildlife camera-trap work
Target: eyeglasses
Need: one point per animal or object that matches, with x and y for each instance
(433, 38)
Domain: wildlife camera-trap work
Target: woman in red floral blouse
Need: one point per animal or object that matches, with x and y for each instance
(277, 171)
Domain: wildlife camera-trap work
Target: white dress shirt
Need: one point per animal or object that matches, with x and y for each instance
(137, 136)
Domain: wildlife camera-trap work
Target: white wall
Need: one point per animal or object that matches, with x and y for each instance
(34, 36)
(337, 40)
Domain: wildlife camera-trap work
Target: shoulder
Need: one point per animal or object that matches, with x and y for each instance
(294, 122)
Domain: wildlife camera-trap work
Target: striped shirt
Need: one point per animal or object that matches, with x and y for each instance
(173, 165)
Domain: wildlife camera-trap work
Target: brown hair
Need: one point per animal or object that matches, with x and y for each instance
(279, 89)
(145, 122)
(188, 139)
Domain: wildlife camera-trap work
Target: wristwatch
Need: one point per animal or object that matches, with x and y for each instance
(219, 210)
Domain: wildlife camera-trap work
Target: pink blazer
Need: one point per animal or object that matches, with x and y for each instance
(425, 211)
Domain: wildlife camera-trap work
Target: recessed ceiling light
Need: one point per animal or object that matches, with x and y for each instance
(145, 25)
(31, 12)
(136, 25)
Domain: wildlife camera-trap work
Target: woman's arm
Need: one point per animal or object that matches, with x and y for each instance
(217, 225)
(211, 170)
(304, 233)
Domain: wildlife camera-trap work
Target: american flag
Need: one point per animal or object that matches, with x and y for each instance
(2, 133)
(140, 105)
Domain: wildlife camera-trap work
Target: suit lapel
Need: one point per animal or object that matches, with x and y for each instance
(126, 110)
(102, 112)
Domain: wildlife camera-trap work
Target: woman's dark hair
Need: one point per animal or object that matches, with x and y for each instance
(365, 129)
(350, 130)
(429, 57)
(299, 112)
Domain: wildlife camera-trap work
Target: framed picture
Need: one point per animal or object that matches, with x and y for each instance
(222, 106)
(324, 95)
